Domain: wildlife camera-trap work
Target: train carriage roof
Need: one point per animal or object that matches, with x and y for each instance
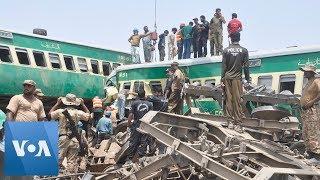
(213, 59)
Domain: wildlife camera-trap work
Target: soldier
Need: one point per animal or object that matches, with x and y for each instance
(311, 112)
(234, 59)
(175, 100)
(38, 94)
(216, 32)
(167, 89)
(26, 107)
(70, 143)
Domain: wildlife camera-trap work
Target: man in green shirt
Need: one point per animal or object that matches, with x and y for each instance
(187, 40)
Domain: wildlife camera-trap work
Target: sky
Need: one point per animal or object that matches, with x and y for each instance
(268, 24)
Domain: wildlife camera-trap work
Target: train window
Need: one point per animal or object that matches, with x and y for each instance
(266, 81)
(5, 55)
(196, 83)
(82, 65)
(95, 66)
(287, 82)
(23, 56)
(137, 85)
(39, 58)
(127, 85)
(210, 82)
(54, 60)
(106, 68)
(115, 65)
(68, 60)
(155, 86)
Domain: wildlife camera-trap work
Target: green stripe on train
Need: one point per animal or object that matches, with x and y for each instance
(54, 83)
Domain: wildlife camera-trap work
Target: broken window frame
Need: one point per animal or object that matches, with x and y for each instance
(44, 63)
(9, 56)
(267, 77)
(55, 60)
(83, 66)
(210, 82)
(285, 78)
(126, 84)
(19, 50)
(104, 64)
(154, 84)
(72, 62)
(95, 62)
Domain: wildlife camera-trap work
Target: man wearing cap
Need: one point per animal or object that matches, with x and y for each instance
(234, 59)
(175, 101)
(216, 32)
(311, 111)
(38, 94)
(167, 89)
(26, 107)
(135, 43)
(68, 143)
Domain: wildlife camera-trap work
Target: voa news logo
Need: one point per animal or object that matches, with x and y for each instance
(31, 148)
(42, 148)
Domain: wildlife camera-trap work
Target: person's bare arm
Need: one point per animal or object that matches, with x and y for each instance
(222, 19)
(144, 35)
(130, 118)
(130, 38)
(56, 106)
(83, 106)
(9, 116)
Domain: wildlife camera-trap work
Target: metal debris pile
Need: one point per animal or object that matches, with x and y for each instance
(197, 148)
(203, 146)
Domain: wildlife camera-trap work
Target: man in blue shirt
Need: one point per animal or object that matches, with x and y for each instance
(104, 127)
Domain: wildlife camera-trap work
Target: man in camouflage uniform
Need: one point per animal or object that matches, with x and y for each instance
(175, 101)
(68, 144)
(216, 33)
(311, 111)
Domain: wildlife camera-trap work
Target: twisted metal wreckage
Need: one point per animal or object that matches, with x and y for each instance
(202, 146)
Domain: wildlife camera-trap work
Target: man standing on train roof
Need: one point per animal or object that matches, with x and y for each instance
(162, 44)
(234, 24)
(204, 34)
(175, 101)
(135, 43)
(26, 107)
(234, 59)
(148, 45)
(310, 115)
(172, 44)
(180, 41)
(70, 141)
(216, 33)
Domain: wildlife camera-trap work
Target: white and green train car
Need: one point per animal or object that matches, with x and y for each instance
(57, 66)
(276, 69)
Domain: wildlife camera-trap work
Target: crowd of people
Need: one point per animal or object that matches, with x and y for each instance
(189, 38)
(76, 121)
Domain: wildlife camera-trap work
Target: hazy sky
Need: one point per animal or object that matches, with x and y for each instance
(268, 24)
